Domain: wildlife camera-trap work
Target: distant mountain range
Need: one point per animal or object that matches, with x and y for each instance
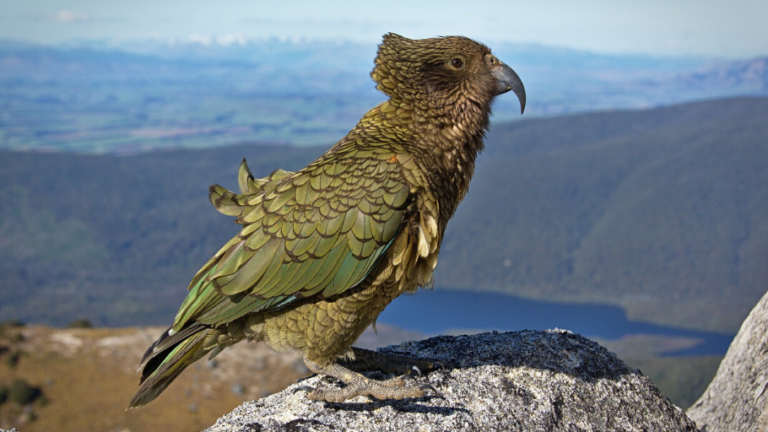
(749, 75)
(663, 212)
(101, 97)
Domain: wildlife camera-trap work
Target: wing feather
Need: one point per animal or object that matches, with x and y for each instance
(319, 231)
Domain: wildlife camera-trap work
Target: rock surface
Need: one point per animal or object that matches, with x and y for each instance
(529, 380)
(736, 399)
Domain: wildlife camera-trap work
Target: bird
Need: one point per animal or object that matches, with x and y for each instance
(323, 250)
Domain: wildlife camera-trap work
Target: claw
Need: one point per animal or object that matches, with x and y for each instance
(402, 378)
(411, 374)
(308, 389)
(434, 390)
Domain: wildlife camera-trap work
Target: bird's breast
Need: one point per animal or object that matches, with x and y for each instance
(322, 329)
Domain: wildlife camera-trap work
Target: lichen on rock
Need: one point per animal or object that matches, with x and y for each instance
(737, 398)
(528, 380)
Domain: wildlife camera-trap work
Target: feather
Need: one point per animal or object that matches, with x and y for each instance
(322, 250)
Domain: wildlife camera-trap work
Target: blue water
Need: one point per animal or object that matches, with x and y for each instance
(436, 311)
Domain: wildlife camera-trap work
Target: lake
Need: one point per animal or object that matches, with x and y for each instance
(439, 311)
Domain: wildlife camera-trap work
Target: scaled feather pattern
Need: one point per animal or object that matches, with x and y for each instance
(324, 250)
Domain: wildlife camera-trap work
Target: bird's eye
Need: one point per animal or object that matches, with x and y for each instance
(457, 63)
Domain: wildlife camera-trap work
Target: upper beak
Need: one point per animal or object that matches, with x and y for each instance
(508, 80)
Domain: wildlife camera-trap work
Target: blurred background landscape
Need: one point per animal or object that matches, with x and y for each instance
(628, 204)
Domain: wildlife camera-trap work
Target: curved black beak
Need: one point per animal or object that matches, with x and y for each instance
(508, 80)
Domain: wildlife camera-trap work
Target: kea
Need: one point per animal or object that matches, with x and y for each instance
(322, 251)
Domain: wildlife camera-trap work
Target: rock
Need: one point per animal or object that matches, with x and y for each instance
(528, 380)
(736, 399)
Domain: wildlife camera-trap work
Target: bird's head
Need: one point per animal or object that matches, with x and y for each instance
(443, 71)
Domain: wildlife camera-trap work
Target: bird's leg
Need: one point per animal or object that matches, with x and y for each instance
(390, 363)
(359, 385)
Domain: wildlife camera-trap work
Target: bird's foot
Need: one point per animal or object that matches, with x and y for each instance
(372, 388)
(359, 385)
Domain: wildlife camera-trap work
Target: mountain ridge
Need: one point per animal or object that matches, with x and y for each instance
(137, 98)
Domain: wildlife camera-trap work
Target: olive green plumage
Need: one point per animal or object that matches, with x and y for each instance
(322, 251)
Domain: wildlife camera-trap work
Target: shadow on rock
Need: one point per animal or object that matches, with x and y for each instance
(556, 351)
(528, 380)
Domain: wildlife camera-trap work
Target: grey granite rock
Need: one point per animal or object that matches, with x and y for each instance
(518, 381)
(737, 399)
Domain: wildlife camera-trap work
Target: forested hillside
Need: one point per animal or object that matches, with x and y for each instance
(664, 212)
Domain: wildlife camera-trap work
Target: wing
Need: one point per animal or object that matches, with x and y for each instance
(317, 232)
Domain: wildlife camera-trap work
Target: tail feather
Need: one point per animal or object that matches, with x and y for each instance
(168, 339)
(165, 360)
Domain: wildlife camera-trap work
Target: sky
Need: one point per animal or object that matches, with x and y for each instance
(711, 28)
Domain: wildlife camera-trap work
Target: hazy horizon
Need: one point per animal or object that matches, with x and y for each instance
(684, 28)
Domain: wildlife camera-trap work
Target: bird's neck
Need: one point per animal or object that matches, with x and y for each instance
(448, 138)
